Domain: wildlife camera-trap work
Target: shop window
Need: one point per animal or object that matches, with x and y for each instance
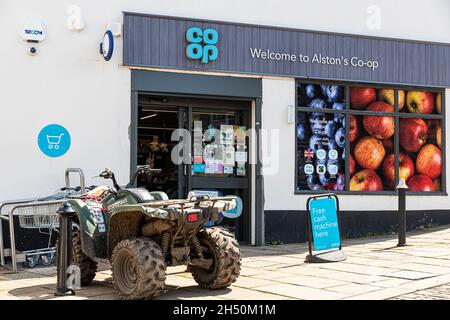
(420, 143)
(220, 144)
(321, 138)
(391, 134)
(420, 102)
(372, 152)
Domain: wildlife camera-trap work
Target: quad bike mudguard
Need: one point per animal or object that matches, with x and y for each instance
(93, 235)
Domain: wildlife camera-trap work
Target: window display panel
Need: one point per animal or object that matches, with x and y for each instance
(420, 102)
(392, 134)
(321, 155)
(321, 96)
(373, 99)
(219, 144)
(421, 143)
(362, 97)
(372, 158)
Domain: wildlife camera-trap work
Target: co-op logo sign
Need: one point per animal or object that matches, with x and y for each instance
(202, 44)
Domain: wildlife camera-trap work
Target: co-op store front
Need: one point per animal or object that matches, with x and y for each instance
(309, 112)
(329, 113)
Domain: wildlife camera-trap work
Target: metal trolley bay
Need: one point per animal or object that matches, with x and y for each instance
(45, 219)
(40, 215)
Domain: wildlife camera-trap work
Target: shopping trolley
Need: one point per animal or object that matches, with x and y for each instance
(45, 219)
(54, 141)
(36, 213)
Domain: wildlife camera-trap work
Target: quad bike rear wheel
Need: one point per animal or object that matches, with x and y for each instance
(138, 268)
(88, 267)
(221, 246)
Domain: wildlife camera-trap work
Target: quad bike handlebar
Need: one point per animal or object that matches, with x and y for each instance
(145, 169)
(109, 174)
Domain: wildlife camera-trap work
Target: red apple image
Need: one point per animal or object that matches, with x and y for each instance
(406, 168)
(369, 152)
(421, 182)
(437, 184)
(352, 165)
(439, 103)
(388, 145)
(420, 102)
(366, 180)
(388, 95)
(380, 127)
(432, 124)
(429, 161)
(439, 136)
(354, 128)
(361, 97)
(413, 134)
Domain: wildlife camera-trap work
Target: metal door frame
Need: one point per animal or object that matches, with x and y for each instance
(204, 86)
(185, 107)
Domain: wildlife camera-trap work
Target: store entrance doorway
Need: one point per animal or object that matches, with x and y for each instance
(155, 129)
(218, 154)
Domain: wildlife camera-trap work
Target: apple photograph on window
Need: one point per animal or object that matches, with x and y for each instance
(320, 134)
(420, 139)
(372, 156)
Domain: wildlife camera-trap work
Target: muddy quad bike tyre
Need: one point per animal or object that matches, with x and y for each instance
(88, 267)
(220, 245)
(138, 268)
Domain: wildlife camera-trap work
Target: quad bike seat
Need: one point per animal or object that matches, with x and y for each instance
(140, 194)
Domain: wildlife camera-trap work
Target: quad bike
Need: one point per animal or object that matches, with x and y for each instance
(141, 233)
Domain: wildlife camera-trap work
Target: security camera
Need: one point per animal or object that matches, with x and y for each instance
(32, 51)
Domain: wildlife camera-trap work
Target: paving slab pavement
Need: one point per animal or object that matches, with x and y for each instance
(375, 269)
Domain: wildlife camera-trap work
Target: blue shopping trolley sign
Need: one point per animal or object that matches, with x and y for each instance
(324, 223)
(54, 140)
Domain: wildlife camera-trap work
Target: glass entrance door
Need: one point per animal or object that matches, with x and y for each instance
(217, 150)
(220, 154)
(156, 125)
(219, 144)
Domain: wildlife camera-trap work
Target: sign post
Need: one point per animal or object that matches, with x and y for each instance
(402, 187)
(324, 236)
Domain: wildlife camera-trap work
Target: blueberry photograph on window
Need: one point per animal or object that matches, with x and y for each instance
(321, 138)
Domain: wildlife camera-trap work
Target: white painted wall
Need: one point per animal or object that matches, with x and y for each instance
(69, 83)
(278, 94)
(406, 19)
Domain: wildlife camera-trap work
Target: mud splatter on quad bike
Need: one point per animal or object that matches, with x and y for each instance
(140, 233)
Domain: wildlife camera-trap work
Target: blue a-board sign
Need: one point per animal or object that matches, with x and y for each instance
(324, 223)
